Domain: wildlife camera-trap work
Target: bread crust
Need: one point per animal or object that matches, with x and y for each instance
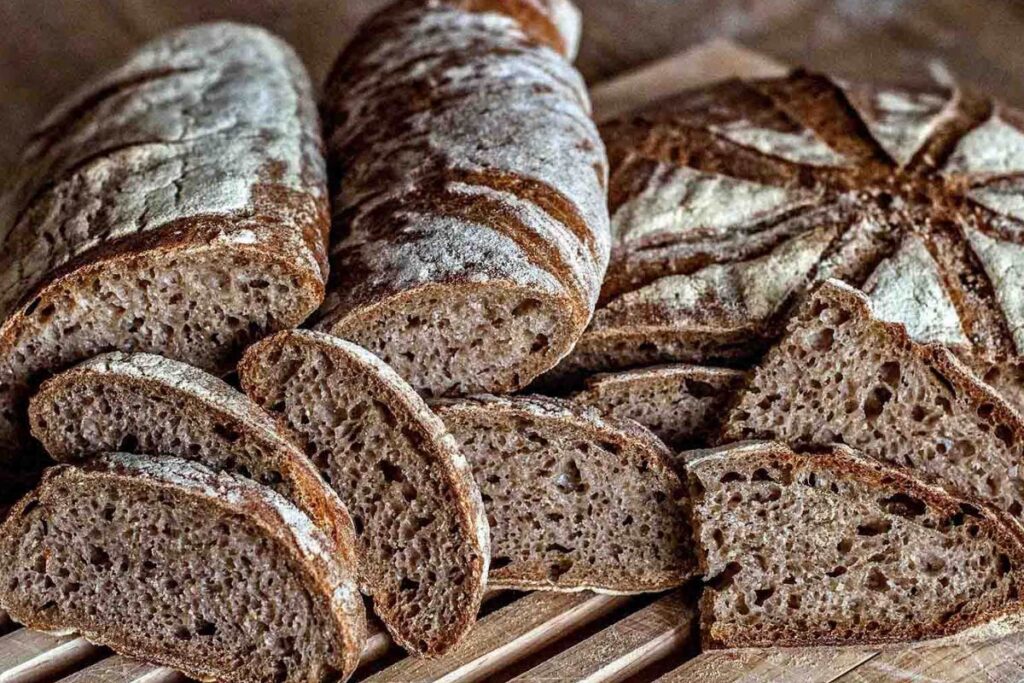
(847, 462)
(166, 159)
(451, 467)
(333, 581)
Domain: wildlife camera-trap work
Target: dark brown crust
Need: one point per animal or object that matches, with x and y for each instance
(846, 462)
(625, 433)
(245, 499)
(469, 513)
(311, 494)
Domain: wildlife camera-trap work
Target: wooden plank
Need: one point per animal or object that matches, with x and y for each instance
(702, 64)
(811, 665)
(626, 647)
(28, 656)
(508, 635)
(118, 669)
(1000, 661)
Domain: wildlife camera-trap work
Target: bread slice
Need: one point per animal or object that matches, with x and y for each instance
(682, 404)
(833, 548)
(150, 405)
(472, 218)
(421, 529)
(165, 560)
(841, 374)
(575, 501)
(175, 205)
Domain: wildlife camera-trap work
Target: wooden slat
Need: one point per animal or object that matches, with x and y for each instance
(507, 636)
(625, 648)
(811, 665)
(995, 662)
(28, 656)
(118, 669)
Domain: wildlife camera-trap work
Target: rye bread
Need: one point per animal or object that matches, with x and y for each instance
(833, 548)
(176, 205)
(151, 405)
(682, 404)
(709, 187)
(167, 561)
(575, 501)
(421, 532)
(469, 185)
(841, 374)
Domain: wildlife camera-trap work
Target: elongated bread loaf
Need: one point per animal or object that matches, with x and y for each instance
(730, 201)
(177, 205)
(150, 405)
(470, 218)
(422, 535)
(164, 560)
(832, 548)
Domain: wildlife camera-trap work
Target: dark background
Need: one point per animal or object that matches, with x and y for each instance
(49, 46)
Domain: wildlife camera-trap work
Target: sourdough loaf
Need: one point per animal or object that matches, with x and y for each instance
(682, 404)
(175, 205)
(841, 374)
(167, 561)
(150, 405)
(421, 531)
(575, 501)
(470, 217)
(729, 201)
(832, 548)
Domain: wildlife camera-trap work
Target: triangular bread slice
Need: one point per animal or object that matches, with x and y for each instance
(148, 404)
(833, 548)
(575, 500)
(166, 560)
(421, 530)
(840, 374)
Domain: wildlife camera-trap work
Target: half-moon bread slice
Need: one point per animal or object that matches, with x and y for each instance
(165, 560)
(834, 548)
(575, 501)
(421, 531)
(150, 405)
(842, 374)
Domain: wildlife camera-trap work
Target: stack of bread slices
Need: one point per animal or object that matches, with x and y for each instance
(269, 372)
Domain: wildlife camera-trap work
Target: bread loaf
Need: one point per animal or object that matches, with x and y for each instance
(164, 560)
(682, 404)
(150, 405)
(470, 218)
(575, 501)
(728, 202)
(841, 374)
(421, 530)
(176, 205)
(831, 548)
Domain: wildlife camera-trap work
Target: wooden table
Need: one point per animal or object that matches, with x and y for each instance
(541, 636)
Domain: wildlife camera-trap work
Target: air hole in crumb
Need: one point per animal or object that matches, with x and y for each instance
(1005, 434)
(730, 477)
(761, 474)
(838, 571)
(699, 389)
(725, 578)
(392, 472)
(822, 340)
(500, 562)
(205, 628)
(877, 580)
(903, 505)
(874, 527)
(890, 373)
(526, 307)
(875, 402)
(762, 594)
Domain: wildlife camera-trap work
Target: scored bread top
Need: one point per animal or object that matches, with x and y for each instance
(176, 204)
(197, 417)
(330, 581)
(708, 184)
(468, 169)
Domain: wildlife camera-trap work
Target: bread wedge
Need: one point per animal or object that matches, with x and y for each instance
(167, 561)
(840, 374)
(833, 548)
(575, 501)
(175, 205)
(420, 526)
(150, 405)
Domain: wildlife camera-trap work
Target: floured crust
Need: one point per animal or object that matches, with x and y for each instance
(451, 465)
(846, 462)
(167, 379)
(333, 581)
(526, 575)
